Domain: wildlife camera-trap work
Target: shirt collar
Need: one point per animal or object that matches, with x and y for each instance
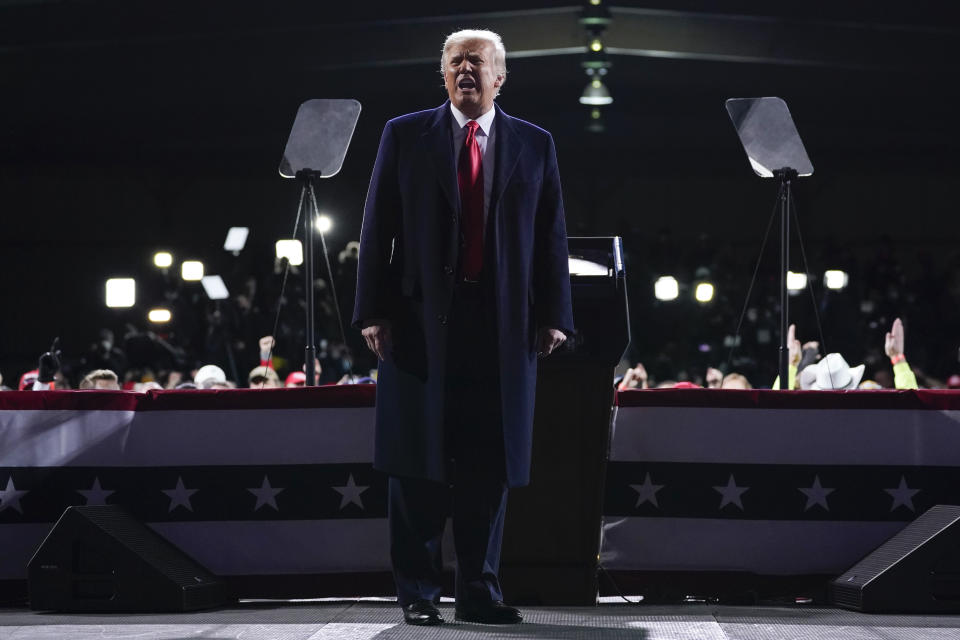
(485, 121)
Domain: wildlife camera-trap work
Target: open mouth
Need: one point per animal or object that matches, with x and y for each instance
(467, 84)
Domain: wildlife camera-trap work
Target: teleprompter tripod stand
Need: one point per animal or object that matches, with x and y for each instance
(316, 148)
(774, 149)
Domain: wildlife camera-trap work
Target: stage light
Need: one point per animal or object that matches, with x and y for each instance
(596, 93)
(236, 239)
(582, 267)
(596, 45)
(324, 223)
(191, 270)
(796, 281)
(162, 259)
(292, 250)
(595, 2)
(835, 279)
(159, 316)
(215, 288)
(121, 292)
(666, 288)
(704, 292)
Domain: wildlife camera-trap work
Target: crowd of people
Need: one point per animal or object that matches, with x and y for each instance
(51, 374)
(677, 343)
(808, 370)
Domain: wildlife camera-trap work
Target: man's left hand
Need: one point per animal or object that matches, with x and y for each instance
(549, 339)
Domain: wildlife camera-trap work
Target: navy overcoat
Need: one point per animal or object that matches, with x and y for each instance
(409, 251)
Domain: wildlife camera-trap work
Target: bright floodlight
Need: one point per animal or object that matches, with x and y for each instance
(191, 270)
(215, 288)
(835, 279)
(121, 292)
(162, 259)
(159, 315)
(324, 223)
(236, 239)
(704, 292)
(666, 288)
(796, 281)
(292, 250)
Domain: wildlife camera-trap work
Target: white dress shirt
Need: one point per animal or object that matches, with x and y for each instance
(487, 139)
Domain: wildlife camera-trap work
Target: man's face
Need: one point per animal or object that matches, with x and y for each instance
(471, 77)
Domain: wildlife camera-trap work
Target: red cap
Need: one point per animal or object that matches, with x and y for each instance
(27, 380)
(295, 377)
(686, 385)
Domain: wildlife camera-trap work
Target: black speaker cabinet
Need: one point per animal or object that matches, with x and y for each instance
(100, 558)
(915, 571)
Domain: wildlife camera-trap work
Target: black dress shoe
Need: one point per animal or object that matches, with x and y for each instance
(490, 612)
(422, 612)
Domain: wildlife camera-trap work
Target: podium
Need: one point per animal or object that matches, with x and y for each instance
(552, 532)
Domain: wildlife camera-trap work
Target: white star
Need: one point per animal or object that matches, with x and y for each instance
(816, 495)
(902, 495)
(95, 494)
(179, 496)
(351, 493)
(266, 495)
(731, 493)
(647, 491)
(10, 497)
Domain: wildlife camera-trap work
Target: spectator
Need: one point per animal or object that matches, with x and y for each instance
(714, 378)
(635, 377)
(102, 379)
(831, 373)
(735, 381)
(296, 379)
(263, 378)
(903, 377)
(27, 380)
(211, 376)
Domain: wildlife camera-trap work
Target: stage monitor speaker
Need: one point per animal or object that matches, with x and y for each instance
(915, 571)
(100, 558)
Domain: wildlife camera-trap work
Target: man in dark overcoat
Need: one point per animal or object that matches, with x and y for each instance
(462, 284)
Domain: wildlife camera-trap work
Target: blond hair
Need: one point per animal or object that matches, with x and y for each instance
(90, 380)
(465, 35)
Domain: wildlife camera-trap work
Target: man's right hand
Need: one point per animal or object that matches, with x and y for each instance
(379, 337)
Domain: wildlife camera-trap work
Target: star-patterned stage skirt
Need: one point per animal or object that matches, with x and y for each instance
(279, 484)
(772, 483)
(248, 483)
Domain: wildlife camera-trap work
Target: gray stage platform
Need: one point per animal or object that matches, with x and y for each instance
(366, 620)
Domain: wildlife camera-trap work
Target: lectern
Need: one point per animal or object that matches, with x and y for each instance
(552, 533)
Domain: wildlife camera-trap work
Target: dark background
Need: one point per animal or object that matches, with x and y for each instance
(129, 127)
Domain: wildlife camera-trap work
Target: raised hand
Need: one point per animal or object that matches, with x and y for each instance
(793, 345)
(49, 363)
(893, 344)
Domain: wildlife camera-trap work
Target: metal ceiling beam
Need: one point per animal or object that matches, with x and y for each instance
(557, 31)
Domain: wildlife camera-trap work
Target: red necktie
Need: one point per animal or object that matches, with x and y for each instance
(470, 180)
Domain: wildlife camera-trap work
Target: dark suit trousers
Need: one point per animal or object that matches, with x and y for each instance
(476, 497)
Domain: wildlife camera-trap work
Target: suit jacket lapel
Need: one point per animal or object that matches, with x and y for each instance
(508, 148)
(440, 150)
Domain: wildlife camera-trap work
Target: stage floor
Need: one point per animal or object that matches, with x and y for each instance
(354, 620)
